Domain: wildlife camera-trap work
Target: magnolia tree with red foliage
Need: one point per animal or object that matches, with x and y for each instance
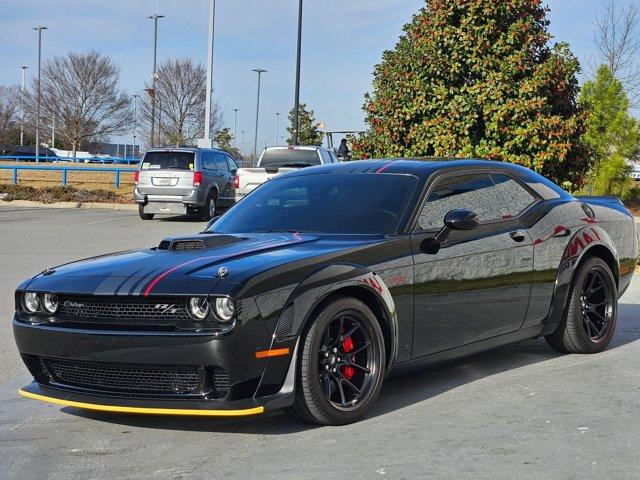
(477, 78)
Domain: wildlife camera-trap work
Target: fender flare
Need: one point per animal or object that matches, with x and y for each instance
(331, 279)
(582, 244)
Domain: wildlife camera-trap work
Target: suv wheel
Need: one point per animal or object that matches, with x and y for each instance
(144, 216)
(208, 210)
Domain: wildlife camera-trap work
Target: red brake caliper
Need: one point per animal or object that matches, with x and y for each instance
(348, 371)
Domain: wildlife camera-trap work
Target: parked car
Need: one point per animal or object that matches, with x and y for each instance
(27, 151)
(275, 161)
(312, 290)
(184, 180)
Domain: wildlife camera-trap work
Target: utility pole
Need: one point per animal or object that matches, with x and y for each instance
(24, 69)
(155, 18)
(235, 125)
(209, 91)
(259, 71)
(296, 105)
(277, 126)
(39, 29)
(135, 123)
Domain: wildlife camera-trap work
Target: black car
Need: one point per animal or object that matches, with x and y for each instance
(321, 283)
(26, 151)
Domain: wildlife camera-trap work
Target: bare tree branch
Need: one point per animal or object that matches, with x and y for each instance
(617, 41)
(180, 102)
(9, 111)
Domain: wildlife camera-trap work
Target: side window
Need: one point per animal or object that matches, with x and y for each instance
(475, 192)
(326, 159)
(231, 163)
(516, 197)
(221, 162)
(334, 159)
(207, 160)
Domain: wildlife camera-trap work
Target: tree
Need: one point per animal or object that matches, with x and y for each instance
(308, 133)
(9, 111)
(180, 103)
(617, 41)
(612, 134)
(80, 93)
(476, 78)
(223, 139)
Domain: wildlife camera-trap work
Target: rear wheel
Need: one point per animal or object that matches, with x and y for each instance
(341, 365)
(592, 310)
(208, 210)
(144, 216)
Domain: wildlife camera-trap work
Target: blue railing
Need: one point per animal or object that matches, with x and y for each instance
(65, 170)
(44, 158)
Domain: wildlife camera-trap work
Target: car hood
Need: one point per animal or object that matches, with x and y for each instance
(178, 266)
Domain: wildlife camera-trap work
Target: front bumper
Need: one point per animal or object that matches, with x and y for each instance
(254, 385)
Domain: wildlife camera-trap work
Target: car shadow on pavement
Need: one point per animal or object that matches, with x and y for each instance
(397, 392)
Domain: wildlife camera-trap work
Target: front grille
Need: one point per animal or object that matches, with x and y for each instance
(125, 377)
(125, 308)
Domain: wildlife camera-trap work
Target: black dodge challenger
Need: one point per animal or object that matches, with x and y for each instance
(321, 283)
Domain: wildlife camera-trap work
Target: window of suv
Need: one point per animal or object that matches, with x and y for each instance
(168, 161)
(221, 162)
(476, 192)
(233, 166)
(208, 162)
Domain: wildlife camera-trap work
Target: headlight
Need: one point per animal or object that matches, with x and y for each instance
(225, 309)
(31, 302)
(50, 302)
(199, 307)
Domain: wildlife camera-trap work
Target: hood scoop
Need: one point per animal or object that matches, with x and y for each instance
(201, 242)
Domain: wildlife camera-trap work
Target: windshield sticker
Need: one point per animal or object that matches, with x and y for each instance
(191, 166)
(145, 165)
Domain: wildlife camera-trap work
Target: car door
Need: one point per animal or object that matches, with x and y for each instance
(223, 178)
(209, 172)
(478, 284)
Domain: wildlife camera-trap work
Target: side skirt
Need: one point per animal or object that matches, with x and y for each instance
(466, 350)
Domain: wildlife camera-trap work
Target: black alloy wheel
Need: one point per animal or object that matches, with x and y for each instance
(341, 364)
(591, 312)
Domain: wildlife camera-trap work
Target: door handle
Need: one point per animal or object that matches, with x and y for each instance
(518, 236)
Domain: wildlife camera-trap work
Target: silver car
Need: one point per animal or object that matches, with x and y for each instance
(184, 181)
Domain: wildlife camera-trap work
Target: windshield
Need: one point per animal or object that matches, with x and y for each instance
(168, 160)
(334, 203)
(285, 157)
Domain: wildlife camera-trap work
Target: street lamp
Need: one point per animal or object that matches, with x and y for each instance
(296, 105)
(155, 18)
(259, 71)
(209, 91)
(135, 123)
(38, 29)
(235, 125)
(24, 69)
(277, 126)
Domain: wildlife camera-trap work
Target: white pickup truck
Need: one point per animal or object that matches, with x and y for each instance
(276, 161)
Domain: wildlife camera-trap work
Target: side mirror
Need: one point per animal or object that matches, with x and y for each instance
(212, 221)
(459, 219)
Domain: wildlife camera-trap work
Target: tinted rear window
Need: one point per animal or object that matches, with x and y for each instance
(168, 161)
(284, 157)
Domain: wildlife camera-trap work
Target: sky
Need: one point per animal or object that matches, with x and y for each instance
(342, 41)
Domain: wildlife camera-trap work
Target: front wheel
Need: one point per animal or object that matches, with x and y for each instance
(341, 365)
(592, 310)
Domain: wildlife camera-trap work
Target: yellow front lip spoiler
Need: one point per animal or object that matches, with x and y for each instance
(144, 410)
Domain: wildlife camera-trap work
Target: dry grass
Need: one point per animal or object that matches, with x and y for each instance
(83, 181)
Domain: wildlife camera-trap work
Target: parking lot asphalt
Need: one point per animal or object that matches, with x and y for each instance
(518, 412)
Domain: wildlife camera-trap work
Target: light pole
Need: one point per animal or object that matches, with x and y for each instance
(24, 69)
(155, 18)
(39, 29)
(277, 126)
(259, 71)
(135, 124)
(297, 95)
(207, 109)
(235, 125)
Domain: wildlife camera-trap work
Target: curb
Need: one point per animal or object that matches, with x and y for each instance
(87, 205)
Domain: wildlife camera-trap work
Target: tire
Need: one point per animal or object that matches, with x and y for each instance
(323, 370)
(208, 210)
(144, 216)
(592, 310)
